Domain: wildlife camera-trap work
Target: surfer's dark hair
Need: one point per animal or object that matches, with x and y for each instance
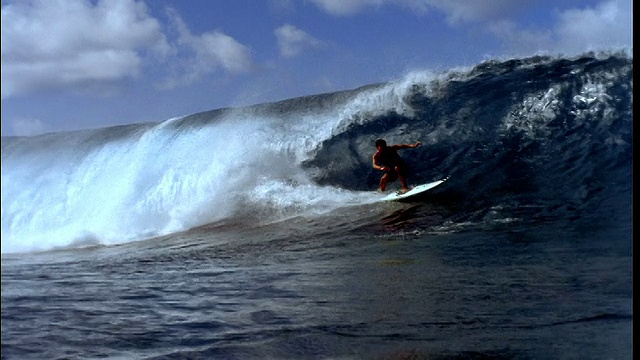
(381, 142)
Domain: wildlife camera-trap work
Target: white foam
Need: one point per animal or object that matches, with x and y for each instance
(164, 179)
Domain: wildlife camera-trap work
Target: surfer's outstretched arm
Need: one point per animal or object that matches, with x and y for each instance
(406, 146)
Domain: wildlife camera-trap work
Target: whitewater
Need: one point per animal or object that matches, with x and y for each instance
(176, 174)
(257, 232)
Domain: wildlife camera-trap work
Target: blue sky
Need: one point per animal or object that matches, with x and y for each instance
(75, 64)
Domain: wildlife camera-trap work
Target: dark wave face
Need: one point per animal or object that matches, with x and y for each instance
(536, 138)
(551, 135)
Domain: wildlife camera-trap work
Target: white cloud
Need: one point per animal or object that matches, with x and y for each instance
(292, 41)
(27, 127)
(518, 40)
(218, 49)
(605, 26)
(346, 7)
(608, 26)
(456, 10)
(63, 43)
(204, 54)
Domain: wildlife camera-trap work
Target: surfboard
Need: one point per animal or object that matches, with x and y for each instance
(414, 191)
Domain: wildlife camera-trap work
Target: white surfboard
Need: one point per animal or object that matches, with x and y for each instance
(414, 191)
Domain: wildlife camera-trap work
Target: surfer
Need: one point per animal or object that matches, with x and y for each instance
(387, 159)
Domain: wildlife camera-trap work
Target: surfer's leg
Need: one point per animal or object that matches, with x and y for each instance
(383, 182)
(402, 179)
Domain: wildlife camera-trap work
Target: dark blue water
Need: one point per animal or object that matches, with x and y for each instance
(125, 243)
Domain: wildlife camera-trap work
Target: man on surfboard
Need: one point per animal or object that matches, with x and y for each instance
(387, 159)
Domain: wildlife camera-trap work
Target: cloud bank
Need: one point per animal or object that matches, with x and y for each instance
(58, 43)
(608, 25)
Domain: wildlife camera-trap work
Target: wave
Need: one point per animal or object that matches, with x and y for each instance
(548, 133)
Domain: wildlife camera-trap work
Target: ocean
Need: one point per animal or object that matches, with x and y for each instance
(257, 233)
